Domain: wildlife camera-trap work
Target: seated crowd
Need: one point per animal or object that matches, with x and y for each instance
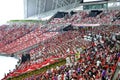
(97, 60)
(33, 37)
(13, 38)
(82, 17)
(93, 65)
(10, 34)
(57, 47)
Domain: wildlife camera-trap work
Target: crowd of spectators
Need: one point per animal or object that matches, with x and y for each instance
(27, 40)
(13, 37)
(60, 45)
(9, 34)
(95, 63)
(97, 60)
(82, 17)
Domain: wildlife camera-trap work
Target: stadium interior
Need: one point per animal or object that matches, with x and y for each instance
(64, 40)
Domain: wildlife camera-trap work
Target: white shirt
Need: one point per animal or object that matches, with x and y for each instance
(67, 60)
(64, 76)
(98, 63)
(59, 77)
(57, 68)
(108, 58)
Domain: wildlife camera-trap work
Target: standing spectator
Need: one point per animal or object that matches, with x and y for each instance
(104, 74)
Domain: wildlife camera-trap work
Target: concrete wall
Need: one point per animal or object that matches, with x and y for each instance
(30, 7)
(49, 5)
